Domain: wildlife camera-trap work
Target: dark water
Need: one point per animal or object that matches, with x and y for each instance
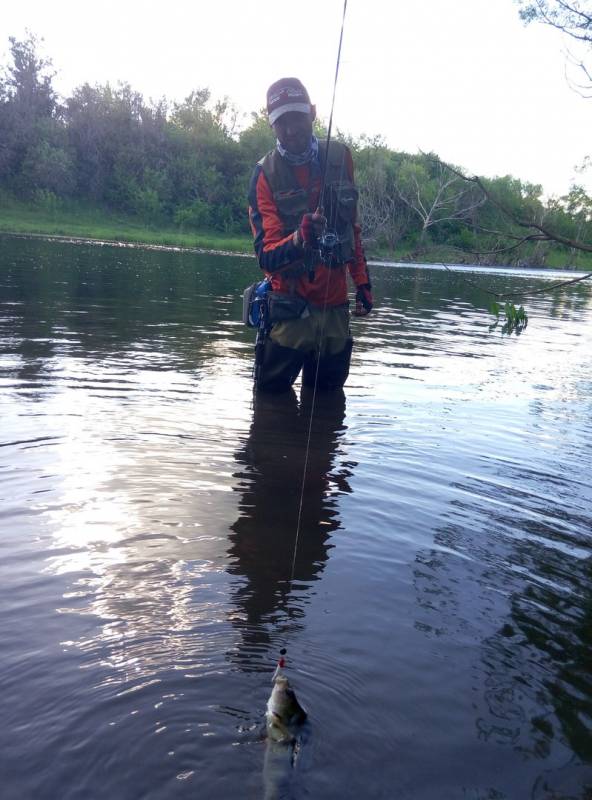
(439, 625)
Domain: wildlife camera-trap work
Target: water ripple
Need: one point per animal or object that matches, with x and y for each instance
(435, 605)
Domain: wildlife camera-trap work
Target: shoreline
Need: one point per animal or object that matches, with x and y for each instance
(85, 223)
(241, 247)
(171, 248)
(373, 262)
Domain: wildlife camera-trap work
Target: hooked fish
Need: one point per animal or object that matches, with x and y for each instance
(284, 713)
(284, 717)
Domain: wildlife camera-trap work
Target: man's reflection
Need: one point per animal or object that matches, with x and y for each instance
(263, 543)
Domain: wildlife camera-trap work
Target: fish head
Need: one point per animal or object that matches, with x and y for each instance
(283, 703)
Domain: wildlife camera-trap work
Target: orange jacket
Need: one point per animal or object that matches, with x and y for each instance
(276, 251)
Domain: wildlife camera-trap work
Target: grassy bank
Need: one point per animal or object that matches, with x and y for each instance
(85, 222)
(556, 258)
(95, 223)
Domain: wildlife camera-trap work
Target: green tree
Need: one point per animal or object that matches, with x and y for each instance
(434, 193)
(120, 145)
(257, 139)
(527, 220)
(27, 103)
(207, 165)
(384, 217)
(48, 168)
(27, 82)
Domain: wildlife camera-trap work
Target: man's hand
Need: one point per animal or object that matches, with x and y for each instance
(310, 229)
(364, 300)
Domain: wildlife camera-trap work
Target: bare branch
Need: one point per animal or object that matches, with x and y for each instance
(567, 18)
(548, 235)
(583, 89)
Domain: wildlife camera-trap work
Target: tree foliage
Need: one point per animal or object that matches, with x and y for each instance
(574, 19)
(565, 221)
(28, 105)
(435, 194)
(187, 163)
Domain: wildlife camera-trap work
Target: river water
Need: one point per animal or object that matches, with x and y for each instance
(439, 623)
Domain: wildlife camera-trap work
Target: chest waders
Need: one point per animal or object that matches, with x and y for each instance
(276, 367)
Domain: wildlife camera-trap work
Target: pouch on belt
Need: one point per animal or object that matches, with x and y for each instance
(254, 298)
(282, 307)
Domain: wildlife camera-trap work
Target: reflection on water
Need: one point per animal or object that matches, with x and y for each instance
(278, 545)
(436, 604)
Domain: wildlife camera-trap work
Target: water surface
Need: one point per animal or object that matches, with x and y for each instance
(439, 619)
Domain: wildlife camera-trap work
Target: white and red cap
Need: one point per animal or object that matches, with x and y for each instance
(287, 94)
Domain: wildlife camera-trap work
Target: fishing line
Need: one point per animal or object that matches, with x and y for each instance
(312, 405)
(322, 329)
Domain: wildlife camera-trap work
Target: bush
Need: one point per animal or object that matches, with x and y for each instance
(464, 239)
(147, 204)
(48, 168)
(196, 215)
(47, 200)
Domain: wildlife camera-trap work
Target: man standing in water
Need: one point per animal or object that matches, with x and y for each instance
(306, 244)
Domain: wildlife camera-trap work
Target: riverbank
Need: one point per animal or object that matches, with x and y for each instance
(77, 222)
(84, 223)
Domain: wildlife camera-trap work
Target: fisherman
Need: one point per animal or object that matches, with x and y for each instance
(306, 244)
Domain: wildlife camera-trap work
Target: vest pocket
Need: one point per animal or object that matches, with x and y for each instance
(341, 198)
(291, 204)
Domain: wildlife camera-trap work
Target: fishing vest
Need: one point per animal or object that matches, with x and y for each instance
(339, 199)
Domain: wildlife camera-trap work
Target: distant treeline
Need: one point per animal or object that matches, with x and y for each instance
(187, 164)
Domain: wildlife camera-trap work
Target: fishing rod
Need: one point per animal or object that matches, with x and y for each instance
(329, 129)
(327, 242)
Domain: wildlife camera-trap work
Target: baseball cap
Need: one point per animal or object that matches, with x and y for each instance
(287, 94)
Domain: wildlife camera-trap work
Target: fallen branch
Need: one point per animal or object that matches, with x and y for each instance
(547, 234)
